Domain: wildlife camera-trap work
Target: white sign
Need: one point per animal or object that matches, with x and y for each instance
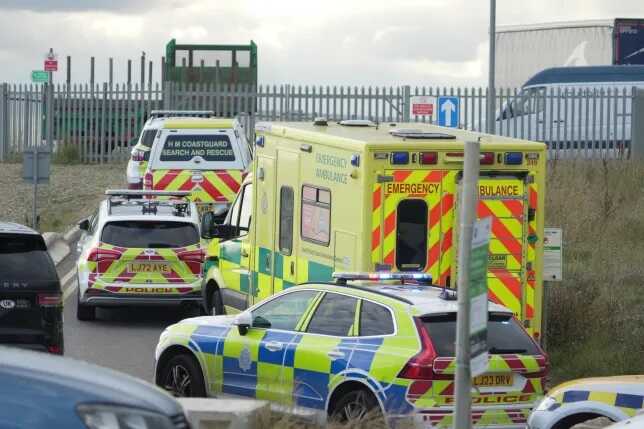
(423, 105)
(478, 295)
(552, 255)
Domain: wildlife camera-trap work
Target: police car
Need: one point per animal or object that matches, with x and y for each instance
(616, 398)
(139, 250)
(369, 343)
(140, 154)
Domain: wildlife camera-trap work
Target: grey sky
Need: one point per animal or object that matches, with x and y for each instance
(418, 42)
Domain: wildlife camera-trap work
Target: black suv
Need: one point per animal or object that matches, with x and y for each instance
(31, 307)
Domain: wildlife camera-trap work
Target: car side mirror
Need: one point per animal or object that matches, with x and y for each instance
(207, 224)
(220, 213)
(243, 321)
(84, 225)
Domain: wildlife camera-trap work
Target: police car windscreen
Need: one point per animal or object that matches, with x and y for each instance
(210, 147)
(24, 259)
(504, 335)
(149, 234)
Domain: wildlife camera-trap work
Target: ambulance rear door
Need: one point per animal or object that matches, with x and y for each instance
(503, 197)
(406, 214)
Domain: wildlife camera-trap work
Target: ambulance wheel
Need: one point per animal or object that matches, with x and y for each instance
(181, 377)
(84, 312)
(216, 305)
(354, 406)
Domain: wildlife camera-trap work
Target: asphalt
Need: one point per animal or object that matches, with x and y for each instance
(123, 339)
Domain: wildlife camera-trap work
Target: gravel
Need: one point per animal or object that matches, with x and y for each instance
(73, 193)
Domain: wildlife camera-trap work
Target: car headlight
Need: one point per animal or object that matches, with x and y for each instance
(547, 404)
(116, 417)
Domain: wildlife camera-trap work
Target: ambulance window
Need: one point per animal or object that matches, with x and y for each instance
(411, 235)
(334, 316)
(286, 220)
(316, 215)
(246, 209)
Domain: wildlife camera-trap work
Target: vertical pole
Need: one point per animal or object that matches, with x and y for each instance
(143, 71)
(69, 70)
(129, 71)
(49, 121)
(111, 71)
(466, 219)
(34, 222)
(491, 95)
(406, 103)
(91, 71)
(4, 123)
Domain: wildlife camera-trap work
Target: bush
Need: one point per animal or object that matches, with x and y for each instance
(67, 153)
(596, 315)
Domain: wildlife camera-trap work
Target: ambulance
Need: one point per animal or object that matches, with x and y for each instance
(358, 196)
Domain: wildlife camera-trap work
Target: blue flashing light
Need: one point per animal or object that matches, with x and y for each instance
(513, 158)
(400, 158)
(260, 141)
(384, 275)
(355, 160)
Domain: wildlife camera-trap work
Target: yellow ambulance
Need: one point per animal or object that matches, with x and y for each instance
(360, 196)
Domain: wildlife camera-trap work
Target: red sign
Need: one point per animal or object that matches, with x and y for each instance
(422, 109)
(51, 65)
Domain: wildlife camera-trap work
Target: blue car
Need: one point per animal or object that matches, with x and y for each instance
(43, 391)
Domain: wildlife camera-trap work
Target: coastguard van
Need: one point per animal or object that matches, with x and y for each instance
(356, 196)
(207, 157)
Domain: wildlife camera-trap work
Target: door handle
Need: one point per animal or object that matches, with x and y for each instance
(336, 354)
(292, 268)
(244, 253)
(273, 346)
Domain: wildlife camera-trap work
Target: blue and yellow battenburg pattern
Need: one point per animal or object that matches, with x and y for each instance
(628, 403)
(296, 375)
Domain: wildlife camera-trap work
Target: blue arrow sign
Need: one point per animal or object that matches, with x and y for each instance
(448, 111)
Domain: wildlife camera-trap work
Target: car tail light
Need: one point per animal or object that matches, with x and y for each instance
(192, 256)
(49, 299)
(487, 158)
(55, 349)
(138, 155)
(428, 157)
(147, 181)
(98, 254)
(420, 367)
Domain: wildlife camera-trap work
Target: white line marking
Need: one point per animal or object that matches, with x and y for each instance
(73, 284)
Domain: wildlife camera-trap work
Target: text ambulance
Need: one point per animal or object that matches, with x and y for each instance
(355, 196)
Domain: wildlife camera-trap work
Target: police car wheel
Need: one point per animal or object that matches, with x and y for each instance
(354, 406)
(84, 312)
(182, 377)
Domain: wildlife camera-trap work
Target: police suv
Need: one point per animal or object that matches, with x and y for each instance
(371, 343)
(140, 251)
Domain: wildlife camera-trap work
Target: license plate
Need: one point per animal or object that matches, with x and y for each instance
(146, 267)
(493, 380)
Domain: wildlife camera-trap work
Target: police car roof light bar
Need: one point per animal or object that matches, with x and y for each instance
(420, 278)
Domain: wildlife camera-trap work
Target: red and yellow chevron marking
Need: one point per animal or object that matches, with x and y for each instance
(448, 202)
(533, 198)
(376, 229)
(216, 186)
(506, 248)
(407, 184)
(110, 273)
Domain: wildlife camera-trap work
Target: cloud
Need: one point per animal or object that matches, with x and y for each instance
(49, 6)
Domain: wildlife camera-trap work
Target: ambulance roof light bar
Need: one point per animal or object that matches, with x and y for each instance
(413, 133)
(182, 113)
(420, 278)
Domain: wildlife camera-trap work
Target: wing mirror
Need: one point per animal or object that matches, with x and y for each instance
(84, 225)
(243, 321)
(211, 226)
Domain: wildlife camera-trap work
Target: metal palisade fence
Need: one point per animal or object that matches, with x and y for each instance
(102, 121)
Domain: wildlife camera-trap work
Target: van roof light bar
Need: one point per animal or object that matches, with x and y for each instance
(357, 123)
(420, 278)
